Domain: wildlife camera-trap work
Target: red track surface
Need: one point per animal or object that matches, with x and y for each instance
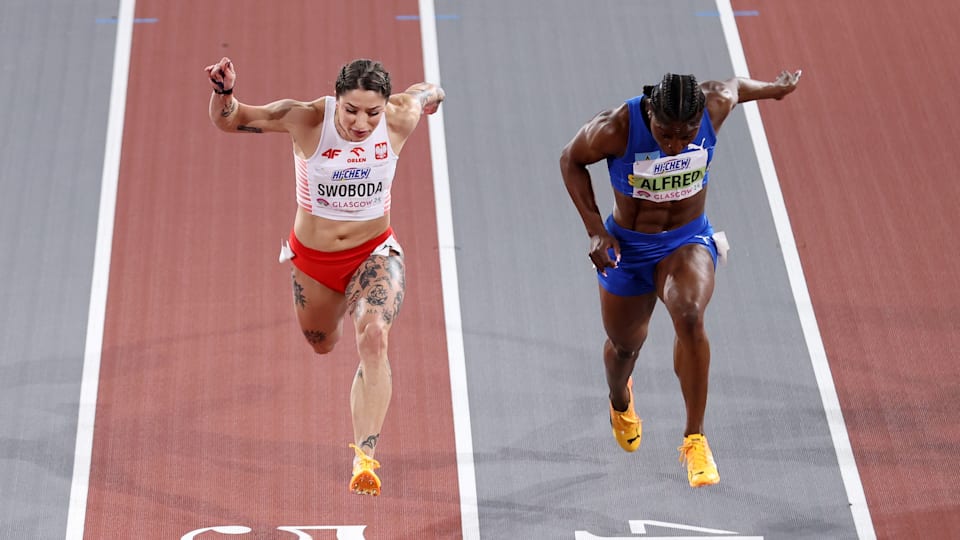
(865, 152)
(212, 409)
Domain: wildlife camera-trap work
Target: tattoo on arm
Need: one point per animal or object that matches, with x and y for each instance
(360, 373)
(424, 97)
(228, 109)
(370, 442)
(249, 129)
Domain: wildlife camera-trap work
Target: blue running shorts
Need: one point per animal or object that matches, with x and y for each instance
(640, 253)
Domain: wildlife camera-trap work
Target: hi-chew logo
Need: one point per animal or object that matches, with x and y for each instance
(678, 164)
(353, 173)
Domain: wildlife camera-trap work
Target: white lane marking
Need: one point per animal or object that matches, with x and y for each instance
(808, 320)
(90, 379)
(469, 512)
(639, 526)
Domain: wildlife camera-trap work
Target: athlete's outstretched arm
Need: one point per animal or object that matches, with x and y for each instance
(407, 107)
(751, 90)
(230, 115)
(429, 95)
(723, 96)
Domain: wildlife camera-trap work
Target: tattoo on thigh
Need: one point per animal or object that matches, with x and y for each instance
(397, 302)
(315, 336)
(370, 442)
(377, 295)
(352, 299)
(298, 297)
(369, 273)
(395, 269)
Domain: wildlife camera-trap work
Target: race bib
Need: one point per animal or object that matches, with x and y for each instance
(670, 178)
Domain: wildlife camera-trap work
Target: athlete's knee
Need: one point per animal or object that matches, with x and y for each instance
(372, 338)
(624, 353)
(688, 321)
(321, 342)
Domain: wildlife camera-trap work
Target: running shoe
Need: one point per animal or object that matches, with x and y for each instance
(364, 481)
(627, 428)
(701, 468)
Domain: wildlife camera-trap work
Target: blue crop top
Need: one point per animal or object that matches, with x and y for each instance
(669, 179)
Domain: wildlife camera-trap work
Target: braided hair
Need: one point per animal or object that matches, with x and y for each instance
(677, 99)
(363, 74)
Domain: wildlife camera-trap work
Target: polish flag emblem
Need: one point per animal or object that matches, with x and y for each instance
(380, 150)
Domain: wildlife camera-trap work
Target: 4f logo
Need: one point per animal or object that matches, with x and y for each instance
(331, 153)
(380, 150)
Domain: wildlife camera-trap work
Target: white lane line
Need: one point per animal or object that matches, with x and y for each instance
(101, 274)
(469, 514)
(808, 320)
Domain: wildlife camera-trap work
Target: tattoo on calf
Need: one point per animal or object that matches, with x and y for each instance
(370, 442)
(298, 297)
(315, 336)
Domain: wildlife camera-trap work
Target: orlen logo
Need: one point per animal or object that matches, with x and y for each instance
(331, 153)
(380, 150)
(672, 165)
(352, 173)
(358, 152)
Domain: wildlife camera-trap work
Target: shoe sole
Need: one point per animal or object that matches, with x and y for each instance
(365, 483)
(704, 482)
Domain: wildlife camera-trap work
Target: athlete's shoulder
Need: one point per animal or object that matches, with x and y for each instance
(719, 94)
(610, 129)
(316, 110)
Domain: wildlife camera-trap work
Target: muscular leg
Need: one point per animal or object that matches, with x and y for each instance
(685, 281)
(320, 311)
(625, 319)
(375, 294)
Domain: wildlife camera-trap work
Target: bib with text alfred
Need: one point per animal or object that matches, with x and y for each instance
(670, 178)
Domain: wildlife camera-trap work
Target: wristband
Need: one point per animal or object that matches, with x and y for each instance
(222, 92)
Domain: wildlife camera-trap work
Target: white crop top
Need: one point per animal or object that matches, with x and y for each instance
(344, 180)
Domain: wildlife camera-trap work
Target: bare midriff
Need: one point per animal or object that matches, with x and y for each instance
(655, 217)
(324, 234)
